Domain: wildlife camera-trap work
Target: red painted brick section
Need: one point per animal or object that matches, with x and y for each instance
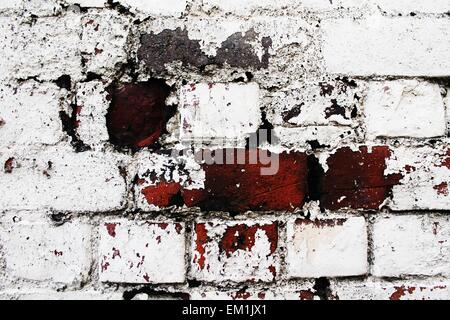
(355, 179)
(242, 237)
(241, 187)
(163, 194)
(220, 248)
(138, 113)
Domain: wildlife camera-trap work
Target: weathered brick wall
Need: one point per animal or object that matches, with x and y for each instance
(100, 102)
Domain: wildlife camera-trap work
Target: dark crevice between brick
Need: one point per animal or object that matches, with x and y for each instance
(315, 144)
(292, 113)
(315, 178)
(156, 294)
(116, 5)
(69, 125)
(194, 283)
(335, 109)
(323, 290)
(64, 82)
(81, 9)
(247, 77)
(59, 218)
(91, 76)
(264, 134)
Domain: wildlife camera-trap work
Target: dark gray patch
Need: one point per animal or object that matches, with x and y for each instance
(237, 51)
(174, 45)
(292, 113)
(335, 109)
(168, 46)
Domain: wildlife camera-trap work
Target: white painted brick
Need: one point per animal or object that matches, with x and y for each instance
(373, 289)
(327, 248)
(37, 250)
(10, 4)
(48, 48)
(8, 46)
(30, 114)
(387, 46)
(408, 6)
(142, 252)
(411, 245)
(92, 107)
(60, 179)
(156, 7)
(426, 178)
(103, 41)
(323, 103)
(43, 294)
(404, 108)
(40, 8)
(225, 111)
(220, 255)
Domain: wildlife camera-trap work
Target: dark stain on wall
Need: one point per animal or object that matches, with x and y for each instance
(237, 51)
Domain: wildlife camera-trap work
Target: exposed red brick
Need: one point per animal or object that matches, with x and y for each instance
(9, 165)
(401, 291)
(162, 194)
(57, 253)
(163, 225)
(104, 265)
(306, 295)
(242, 237)
(116, 253)
(111, 227)
(355, 179)
(178, 228)
(446, 161)
(241, 295)
(273, 271)
(200, 242)
(138, 113)
(442, 188)
(241, 187)
(435, 228)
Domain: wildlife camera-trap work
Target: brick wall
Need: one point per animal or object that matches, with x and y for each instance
(206, 149)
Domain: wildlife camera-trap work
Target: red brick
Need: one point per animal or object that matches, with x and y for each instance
(163, 194)
(236, 251)
(138, 113)
(241, 187)
(355, 179)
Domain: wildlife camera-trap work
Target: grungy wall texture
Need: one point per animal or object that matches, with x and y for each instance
(211, 149)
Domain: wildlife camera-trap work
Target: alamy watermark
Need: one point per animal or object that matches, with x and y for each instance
(220, 151)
